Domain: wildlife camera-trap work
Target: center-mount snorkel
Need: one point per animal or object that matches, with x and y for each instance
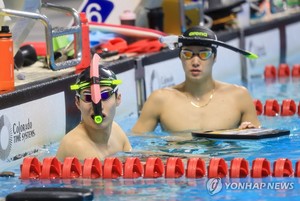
(172, 40)
(95, 89)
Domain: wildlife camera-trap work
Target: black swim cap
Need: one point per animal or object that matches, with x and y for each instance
(105, 74)
(107, 78)
(200, 32)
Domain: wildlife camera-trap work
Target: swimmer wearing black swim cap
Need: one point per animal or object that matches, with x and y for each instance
(89, 138)
(199, 103)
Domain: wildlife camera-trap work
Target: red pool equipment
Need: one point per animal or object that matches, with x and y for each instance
(153, 168)
(260, 168)
(270, 71)
(174, 168)
(85, 38)
(283, 70)
(239, 168)
(258, 106)
(30, 168)
(297, 169)
(112, 168)
(195, 168)
(299, 108)
(133, 168)
(92, 168)
(39, 47)
(217, 168)
(296, 70)
(282, 168)
(288, 107)
(71, 168)
(271, 107)
(51, 168)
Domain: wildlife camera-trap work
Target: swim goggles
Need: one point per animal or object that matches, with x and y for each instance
(84, 85)
(105, 95)
(202, 54)
(174, 41)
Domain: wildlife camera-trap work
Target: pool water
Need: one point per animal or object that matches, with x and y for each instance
(185, 146)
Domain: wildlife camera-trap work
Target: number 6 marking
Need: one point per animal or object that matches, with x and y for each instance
(93, 11)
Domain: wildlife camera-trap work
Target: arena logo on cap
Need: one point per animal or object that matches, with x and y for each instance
(198, 33)
(5, 137)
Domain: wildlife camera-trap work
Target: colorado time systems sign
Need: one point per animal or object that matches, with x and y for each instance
(27, 127)
(13, 134)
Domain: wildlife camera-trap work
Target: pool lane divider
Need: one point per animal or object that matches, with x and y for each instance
(283, 71)
(271, 107)
(154, 167)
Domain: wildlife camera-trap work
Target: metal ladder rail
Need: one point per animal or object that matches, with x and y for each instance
(50, 33)
(60, 31)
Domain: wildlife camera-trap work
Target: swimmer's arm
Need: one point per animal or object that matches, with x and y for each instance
(69, 148)
(60, 153)
(64, 150)
(149, 116)
(124, 139)
(249, 117)
(127, 146)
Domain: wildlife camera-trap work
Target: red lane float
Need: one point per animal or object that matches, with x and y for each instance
(133, 168)
(51, 168)
(258, 106)
(284, 70)
(288, 107)
(297, 169)
(195, 168)
(296, 70)
(174, 168)
(92, 168)
(31, 168)
(282, 168)
(271, 107)
(239, 168)
(260, 168)
(112, 168)
(270, 71)
(154, 167)
(217, 168)
(71, 168)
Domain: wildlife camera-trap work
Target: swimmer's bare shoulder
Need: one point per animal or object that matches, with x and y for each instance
(70, 144)
(159, 96)
(121, 136)
(231, 89)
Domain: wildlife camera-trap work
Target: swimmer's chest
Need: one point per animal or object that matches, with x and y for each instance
(183, 115)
